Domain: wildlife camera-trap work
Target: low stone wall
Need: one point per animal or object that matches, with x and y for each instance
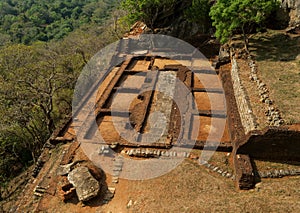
(242, 99)
(272, 113)
(278, 173)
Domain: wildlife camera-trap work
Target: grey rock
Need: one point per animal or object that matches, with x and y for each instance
(286, 172)
(130, 153)
(293, 172)
(281, 172)
(64, 169)
(215, 169)
(130, 203)
(261, 85)
(269, 102)
(262, 174)
(277, 123)
(87, 187)
(117, 169)
(228, 175)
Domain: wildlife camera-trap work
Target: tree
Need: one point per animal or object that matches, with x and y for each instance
(198, 13)
(36, 83)
(27, 21)
(231, 15)
(146, 10)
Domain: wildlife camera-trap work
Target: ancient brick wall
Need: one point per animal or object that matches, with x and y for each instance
(244, 173)
(272, 143)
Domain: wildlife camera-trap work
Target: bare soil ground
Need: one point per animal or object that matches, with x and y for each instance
(212, 101)
(207, 128)
(188, 188)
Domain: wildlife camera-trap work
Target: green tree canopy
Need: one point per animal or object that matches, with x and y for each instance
(198, 12)
(146, 10)
(37, 83)
(231, 15)
(32, 20)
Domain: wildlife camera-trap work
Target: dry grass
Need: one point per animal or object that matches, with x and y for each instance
(191, 188)
(277, 56)
(269, 166)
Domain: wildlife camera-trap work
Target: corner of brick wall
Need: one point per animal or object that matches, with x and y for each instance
(244, 173)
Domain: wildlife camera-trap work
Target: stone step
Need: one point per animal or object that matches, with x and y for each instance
(115, 180)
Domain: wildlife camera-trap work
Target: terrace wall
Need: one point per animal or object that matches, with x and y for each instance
(272, 143)
(242, 99)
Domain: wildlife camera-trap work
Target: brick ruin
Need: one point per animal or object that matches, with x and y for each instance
(219, 97)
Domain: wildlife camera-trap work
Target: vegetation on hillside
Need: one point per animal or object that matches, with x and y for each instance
(31, 20)
(37, 83)
(226, 16)
(198, 12)
(146, 10)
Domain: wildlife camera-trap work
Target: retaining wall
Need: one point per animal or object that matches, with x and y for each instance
(272, 143)
(242, 99)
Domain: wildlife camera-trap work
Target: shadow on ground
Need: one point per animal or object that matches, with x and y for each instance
(275, 47)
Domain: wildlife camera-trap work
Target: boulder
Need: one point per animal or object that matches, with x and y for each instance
(224, 56)
(87, 187)
(293, 7)
(64, 169)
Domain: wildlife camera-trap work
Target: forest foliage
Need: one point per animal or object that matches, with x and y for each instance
(31, 20)
(226, 17)
(230, 16)
(37, 79)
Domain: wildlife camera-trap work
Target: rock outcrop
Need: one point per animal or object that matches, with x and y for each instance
(87, 187)
(293, 7)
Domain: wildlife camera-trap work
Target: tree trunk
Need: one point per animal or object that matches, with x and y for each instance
(33, 157)
(246, 41)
